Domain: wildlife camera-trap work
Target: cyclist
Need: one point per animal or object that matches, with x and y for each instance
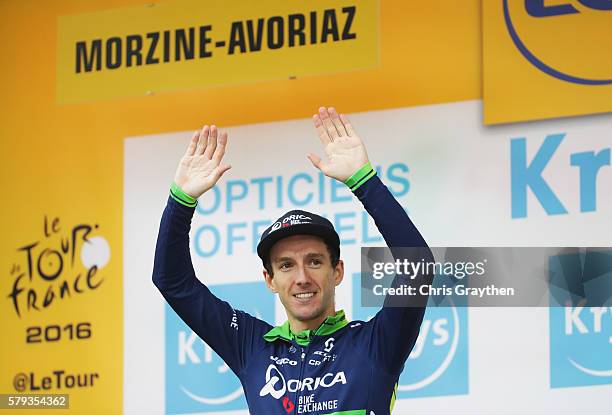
(317, 362)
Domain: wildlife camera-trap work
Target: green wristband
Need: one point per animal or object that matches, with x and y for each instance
(181, 197)
(360, 176)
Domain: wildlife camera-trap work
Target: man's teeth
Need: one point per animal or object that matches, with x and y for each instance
(303, 295)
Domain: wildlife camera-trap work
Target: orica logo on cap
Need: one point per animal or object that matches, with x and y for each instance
(290, 220)
(276, 226)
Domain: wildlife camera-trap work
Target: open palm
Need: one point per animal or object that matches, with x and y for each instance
(200, 168)
(344, 149)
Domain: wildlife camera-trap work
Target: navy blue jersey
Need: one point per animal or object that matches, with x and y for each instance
(342, 367)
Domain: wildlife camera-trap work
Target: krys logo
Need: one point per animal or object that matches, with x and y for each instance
(197, 379)
(580, 346)
(568, 40)
(438, 363)
(580, 335)
(62, 263)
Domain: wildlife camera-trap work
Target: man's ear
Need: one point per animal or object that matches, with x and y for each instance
(339, 272)
(270, 282)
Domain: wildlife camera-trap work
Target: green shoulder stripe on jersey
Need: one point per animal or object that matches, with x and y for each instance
(181, 197)
(360, 176)
(329, 326)
(354, 412)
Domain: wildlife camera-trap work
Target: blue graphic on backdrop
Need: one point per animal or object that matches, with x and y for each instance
(286, 192)
(529, 175)
(438, 364)
(580, 335)
(197, 380)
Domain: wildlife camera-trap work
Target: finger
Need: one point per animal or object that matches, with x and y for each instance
(219, 170)
(321, 131)
(220, 150)
(335, 118)
(347, 125)
(315, 160)
(192, 144)
(202, 141)
(212, 142)
(327, 124)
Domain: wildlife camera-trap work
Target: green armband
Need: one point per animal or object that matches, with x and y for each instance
(181, 197)
(360, 176)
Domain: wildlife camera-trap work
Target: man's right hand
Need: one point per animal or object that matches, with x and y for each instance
(201, 167)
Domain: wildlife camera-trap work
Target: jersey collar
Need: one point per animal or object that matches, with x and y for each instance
(303, 338)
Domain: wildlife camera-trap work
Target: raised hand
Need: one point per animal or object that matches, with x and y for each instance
(201, 167)
(344, 149)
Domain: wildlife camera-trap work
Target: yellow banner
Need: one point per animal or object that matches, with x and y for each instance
(187, 44)
(60, 310)
(545, 59)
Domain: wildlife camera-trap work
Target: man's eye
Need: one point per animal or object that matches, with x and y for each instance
(315, 262)
(285, 265)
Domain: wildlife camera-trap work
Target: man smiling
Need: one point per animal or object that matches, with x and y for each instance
(305, 279)
(315, 363)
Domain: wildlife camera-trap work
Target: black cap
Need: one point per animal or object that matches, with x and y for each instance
(298, 222)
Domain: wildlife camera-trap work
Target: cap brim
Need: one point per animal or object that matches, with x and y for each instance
(324, 232)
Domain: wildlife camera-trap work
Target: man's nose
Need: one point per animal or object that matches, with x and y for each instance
(302, 278)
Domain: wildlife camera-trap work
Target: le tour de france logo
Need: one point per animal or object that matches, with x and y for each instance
(62, 262)
(568, 40)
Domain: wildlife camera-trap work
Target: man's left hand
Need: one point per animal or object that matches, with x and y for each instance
(344, 149)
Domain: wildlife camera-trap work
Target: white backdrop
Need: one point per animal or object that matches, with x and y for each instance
(454, 178)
